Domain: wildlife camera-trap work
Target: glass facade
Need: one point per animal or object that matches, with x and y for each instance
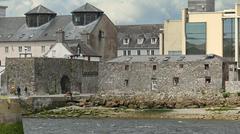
(229, 38)
(195, 38)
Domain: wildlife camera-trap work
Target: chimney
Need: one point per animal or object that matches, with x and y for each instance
(3, 11)
(60, 36)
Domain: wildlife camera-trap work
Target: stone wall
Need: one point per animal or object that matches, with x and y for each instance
(193, 77)
(44, 76)
(233, 86)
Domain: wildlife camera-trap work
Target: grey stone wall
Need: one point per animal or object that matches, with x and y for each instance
(44, 75)
(233, 86)
(141, 77)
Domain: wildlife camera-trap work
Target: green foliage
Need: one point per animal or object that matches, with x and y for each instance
(226, 95)
(221, 109)
(15, 128)
(238, 93)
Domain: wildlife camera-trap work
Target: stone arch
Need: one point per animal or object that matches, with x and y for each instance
(65, 84)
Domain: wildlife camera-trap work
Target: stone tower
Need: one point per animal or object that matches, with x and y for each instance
(201, 5)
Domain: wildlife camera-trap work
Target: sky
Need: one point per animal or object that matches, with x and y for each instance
(119, 11)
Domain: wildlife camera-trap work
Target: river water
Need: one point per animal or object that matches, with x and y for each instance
(124, 126)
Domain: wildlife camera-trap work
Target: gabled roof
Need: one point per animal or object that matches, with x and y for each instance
(134, 32)
(40, 10)
(15, 29)
(87, 8)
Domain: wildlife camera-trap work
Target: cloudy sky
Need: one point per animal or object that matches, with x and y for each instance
(119, 11)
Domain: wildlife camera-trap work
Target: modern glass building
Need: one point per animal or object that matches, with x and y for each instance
(212, 33)
(196, 38)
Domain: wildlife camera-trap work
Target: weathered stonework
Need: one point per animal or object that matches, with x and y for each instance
(233, 86)
(44, 76)
(193, 76)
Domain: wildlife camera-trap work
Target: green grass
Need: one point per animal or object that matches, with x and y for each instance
(15, 128)
(221, 109)
(155, 111)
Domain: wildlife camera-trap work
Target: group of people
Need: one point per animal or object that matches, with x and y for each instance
(19, 91)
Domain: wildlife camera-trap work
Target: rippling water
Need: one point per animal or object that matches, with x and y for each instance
(124, 126)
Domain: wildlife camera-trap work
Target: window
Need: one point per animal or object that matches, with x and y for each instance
(206, 66)
(181, 66)
(175, 81)
(148, 52)
(195, 38)
(140, 41)
(154, 83)
(154, 67)
(124, 52)
(6, 49)
(20, 49)
(53, 53)
(152, 52)
(126, 41)
(229, 38)
(27, 48)
(207, 79)
(43, 49)
(129, 52)
(138, 52)
(126, 67)
(153, 40)
(101, 34)
(126, 83)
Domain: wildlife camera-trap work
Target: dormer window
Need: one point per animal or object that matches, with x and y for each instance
(126, 41)
(154, 40)
(140, 41)
(39, 16)
(85, 14)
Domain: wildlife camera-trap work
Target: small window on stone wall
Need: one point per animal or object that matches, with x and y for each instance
(126, 67)
(175, 81)
(126, 83)
(206, 66)
(181, 66)
(207, 80)
(154, 67)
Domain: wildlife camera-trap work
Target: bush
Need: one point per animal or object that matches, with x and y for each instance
(15, 128)
(238, 93)
(226, 95)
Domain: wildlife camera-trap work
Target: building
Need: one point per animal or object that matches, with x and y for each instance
(204, 33)
(49, 76)
(173, 37)
(34, 34)
(201, 5)
(212, 32)
(165, 74)
(71, 50)
(140, 39)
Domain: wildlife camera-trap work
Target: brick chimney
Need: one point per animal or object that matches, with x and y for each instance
(3, 11)
(60, 36)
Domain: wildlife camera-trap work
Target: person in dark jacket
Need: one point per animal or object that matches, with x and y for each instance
(18, 91)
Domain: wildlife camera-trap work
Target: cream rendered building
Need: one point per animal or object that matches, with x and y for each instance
(172, 37)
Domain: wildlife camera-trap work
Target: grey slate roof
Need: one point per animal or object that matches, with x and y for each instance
(40, 10)
(86, 50)
(87, 8)
(15, 29)
(139, 31)
(161, 58)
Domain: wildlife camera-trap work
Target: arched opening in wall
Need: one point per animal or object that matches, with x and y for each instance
(65, 84)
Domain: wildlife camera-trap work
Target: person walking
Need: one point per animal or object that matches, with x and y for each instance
(18, 91)
(26, 91)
